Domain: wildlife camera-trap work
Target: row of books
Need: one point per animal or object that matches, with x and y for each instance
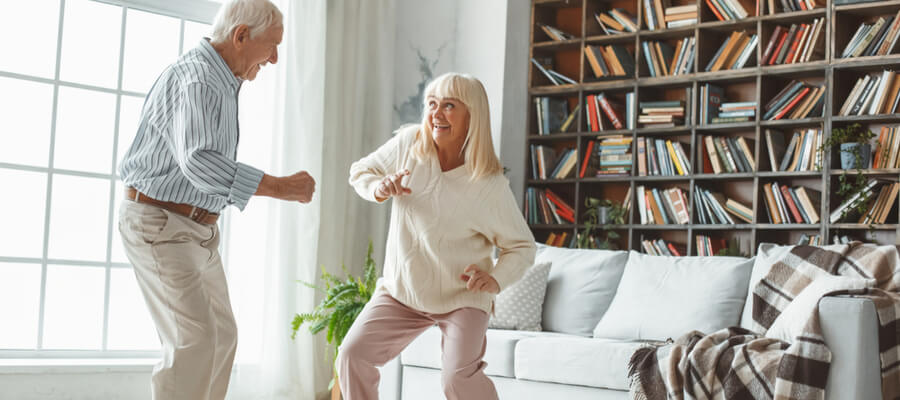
(877, 93)
(665, 60)
(874, 39)
(543, 206)
(714, 208)
(734, 53)
(663, 114)
(846, 210)
(888, 150)
(727, 10)
(553, 115)
(726, 155)
(796, 100)
(598, 106)
(708, 246)
(879, 210)
(795, 44)
(545, 65)
(616, 21)
(803, 152)
(786, 205)
(609, 61)
(662, 206)
(555, 33)
(546, 164)
(807, 240)
(769, 6)
(662, 157)
(559, 240)
(661, 247)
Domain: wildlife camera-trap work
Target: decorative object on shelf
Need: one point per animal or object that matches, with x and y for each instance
(733, 249)
(601, 213)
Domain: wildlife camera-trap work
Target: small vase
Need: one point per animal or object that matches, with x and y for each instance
(848, 160)
(602, 215)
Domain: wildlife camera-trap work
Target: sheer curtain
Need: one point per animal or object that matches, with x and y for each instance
(325, 104)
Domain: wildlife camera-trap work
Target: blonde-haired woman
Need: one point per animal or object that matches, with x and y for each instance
(451, 207)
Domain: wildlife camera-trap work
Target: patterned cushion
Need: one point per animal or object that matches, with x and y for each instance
(519, 306)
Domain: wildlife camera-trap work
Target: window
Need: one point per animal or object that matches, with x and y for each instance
(72, 81)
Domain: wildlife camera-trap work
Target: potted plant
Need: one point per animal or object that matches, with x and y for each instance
(855, 155)
(603, 213)
(343, 301)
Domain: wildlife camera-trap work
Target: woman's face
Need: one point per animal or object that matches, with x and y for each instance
(448, 119)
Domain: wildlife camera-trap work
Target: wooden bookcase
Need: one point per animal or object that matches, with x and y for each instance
(752, 83)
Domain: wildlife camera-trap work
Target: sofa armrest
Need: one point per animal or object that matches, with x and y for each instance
(850, 328)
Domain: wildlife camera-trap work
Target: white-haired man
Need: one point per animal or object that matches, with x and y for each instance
(179, 173)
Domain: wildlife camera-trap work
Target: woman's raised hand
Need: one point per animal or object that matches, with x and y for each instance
(391, 186)
(479, 280)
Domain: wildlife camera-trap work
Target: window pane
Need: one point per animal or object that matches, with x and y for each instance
(129, 118)
(193, 32)
(25, 114)
(84, 130)
(73, 309)
(151, 44)
(22, 229)
(38, 20)
(79, 212)
(20, 292)
(118, 252)
(130, 326)
(90, 48)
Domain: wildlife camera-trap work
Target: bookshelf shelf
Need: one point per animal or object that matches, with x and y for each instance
(752, 83)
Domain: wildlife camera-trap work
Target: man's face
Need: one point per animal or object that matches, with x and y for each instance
(259, 51)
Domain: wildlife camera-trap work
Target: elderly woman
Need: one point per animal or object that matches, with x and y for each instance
(452, 206)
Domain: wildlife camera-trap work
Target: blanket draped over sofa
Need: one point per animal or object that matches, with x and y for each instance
(736, 363)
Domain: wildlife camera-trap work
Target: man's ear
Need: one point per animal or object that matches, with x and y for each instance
(240, 35)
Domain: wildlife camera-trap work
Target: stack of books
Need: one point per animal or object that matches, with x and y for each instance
(613, 155)
(545, 207)
(734, 53)
(796, 100)
(680, 16)
(726, 155)
(662, 114)
(786, 205)
(545, 65)
(877, 212)
(661, 247)
(873, 94)
(662, 157)
(714, 109)
(795, 44)
(803, 152)
(814, 240)
(555, 33)
(553, 115)
(846, 209)
(727, 10)
(610, 61)
(874, 39)
(545, 164)
(665, 60)
(599, 107)
(742, 111)
(662, 206)
(617, 21)
(888, 149)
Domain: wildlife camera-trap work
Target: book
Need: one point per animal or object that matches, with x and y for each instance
(739, 210)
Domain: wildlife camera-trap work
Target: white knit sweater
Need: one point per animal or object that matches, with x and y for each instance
(448, 222)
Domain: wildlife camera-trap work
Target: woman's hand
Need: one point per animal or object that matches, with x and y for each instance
(479, 281)
(391, 186)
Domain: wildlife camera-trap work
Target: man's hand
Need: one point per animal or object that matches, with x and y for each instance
(479, 281)
(297, 187)
(391, 186)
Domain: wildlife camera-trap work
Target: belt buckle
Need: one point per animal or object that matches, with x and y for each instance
(198, 214)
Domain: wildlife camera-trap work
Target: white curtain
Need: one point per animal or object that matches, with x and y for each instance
(325, 104)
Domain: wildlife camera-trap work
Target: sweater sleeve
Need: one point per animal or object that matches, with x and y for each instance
(510, 234)
(367, 172)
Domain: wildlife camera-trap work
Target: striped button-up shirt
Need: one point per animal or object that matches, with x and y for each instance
(186, 144)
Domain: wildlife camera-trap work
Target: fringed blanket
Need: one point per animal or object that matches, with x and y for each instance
(735, 363)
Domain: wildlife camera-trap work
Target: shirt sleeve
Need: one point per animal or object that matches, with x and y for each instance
(367, 172)
(510, 234)
(197, 140)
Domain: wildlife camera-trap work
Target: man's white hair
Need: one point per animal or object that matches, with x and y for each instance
(258, 15)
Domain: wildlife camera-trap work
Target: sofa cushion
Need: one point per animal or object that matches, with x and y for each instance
(575, 360)
(580, 287)
(664, 297)
(766, 255)
(425, 350)
(519, 306)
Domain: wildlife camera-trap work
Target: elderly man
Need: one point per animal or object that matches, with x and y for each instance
(179, 173)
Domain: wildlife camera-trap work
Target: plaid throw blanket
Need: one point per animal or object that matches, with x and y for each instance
(735, 363)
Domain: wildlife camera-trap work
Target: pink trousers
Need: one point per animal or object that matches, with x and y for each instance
(385, 327)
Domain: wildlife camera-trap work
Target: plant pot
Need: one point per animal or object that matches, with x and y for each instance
(848, 160)
(603, 215)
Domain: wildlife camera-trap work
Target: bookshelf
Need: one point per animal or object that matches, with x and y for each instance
(753, 82)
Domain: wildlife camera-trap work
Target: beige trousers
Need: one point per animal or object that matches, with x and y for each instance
(385, 327)
(178, 268)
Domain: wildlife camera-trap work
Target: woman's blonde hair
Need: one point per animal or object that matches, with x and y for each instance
(481, 161)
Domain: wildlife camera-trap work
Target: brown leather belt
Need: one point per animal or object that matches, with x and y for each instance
(196, 214)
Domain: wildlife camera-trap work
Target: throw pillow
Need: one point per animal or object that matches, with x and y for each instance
(792, 321)
(665, 297)
(766, 255)
(519, 306)
(581, 285)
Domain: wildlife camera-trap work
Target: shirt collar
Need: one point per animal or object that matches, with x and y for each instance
(219, 64)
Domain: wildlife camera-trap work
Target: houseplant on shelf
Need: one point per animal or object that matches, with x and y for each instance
(343, 301)
(856, 151)
(603, 213)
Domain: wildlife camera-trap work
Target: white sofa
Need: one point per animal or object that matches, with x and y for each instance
(566, 361)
